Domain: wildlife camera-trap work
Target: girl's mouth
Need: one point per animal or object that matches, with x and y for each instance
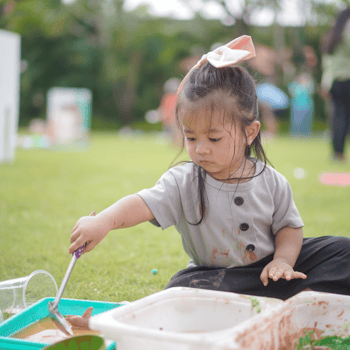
(205, 162)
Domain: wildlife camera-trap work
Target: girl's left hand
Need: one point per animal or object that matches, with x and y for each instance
(279, 268)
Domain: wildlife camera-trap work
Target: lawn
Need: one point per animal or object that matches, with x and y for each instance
(43, 193)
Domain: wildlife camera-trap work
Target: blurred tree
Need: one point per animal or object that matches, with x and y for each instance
(240, 12)
(58, 49)
(323, 13)
(126, 57)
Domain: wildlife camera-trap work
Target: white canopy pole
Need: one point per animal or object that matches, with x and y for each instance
(10, 55)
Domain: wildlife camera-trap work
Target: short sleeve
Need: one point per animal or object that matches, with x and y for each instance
(164, 201)
(286, 212)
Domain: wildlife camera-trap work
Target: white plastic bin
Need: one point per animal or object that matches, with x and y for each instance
(178, 319)
(325, 314)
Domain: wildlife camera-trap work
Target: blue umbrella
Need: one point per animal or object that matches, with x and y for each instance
(272, 95)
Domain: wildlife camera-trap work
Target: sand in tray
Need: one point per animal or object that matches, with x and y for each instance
(48, 330)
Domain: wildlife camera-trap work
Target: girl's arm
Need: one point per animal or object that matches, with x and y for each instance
(128, 211)
(288, 244)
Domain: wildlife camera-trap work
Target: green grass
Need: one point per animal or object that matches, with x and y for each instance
(43, 193)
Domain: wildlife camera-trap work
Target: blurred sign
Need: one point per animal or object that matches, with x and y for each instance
(69, 116)
(10, 52)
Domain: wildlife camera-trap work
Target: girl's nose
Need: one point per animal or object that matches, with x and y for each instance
(202, 148)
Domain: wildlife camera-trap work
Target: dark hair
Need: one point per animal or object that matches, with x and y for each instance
(336, 33)
(236, 96)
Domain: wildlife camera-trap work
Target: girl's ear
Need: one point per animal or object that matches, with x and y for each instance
(252, 131)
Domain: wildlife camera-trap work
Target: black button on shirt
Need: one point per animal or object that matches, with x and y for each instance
(250, 248)
(244, 227)
(239, 201)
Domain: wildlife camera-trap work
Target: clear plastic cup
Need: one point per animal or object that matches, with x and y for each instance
(19, 293)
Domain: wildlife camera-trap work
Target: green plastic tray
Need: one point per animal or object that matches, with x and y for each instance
(40, 310)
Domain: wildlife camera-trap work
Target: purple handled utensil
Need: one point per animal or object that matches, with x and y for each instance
(53, 310)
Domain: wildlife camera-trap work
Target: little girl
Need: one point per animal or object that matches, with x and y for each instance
(236, 215)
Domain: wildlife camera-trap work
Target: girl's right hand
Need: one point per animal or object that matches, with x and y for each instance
(88, 229)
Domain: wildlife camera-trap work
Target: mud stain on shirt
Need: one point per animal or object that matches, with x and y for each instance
(249, 257)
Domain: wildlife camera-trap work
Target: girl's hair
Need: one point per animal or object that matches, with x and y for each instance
(336, 33)
(229, 91)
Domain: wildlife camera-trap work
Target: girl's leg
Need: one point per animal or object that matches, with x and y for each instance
(340, 96)
(339, 128)
(325, 261)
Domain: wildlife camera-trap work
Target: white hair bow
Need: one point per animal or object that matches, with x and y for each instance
(235, 51)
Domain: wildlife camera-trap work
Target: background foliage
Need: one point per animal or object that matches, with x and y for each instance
(124, 58)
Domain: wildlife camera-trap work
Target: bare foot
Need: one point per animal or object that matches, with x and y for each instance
(80, 321)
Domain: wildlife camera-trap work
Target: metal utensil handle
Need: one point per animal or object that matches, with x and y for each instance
(60, 318)
(75, 256)
(64, 282)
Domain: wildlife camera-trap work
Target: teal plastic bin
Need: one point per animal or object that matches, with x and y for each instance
(40, 310)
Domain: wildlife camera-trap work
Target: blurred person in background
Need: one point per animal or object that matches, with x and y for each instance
(272, 100)
(336, 79)
(167, 110)
(301, 90)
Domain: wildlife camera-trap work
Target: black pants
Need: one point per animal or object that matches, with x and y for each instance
(341, 120)
(325, 261)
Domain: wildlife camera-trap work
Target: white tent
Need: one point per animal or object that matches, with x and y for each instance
(10, 53)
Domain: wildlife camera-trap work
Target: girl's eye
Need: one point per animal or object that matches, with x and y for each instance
(190, 138)
(214, 140)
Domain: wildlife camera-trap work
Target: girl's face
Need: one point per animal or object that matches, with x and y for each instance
(217, 146)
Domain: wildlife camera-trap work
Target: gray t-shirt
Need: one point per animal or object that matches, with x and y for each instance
(240, 222)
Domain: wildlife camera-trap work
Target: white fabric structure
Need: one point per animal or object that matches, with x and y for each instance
(10, 52)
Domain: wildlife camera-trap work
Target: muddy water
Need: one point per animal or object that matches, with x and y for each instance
(49, 331)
